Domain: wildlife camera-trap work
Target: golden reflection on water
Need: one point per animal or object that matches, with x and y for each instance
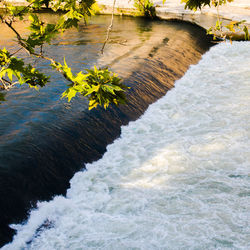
(128, 45)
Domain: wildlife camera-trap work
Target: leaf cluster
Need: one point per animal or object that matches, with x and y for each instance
(99, 86)
(220, 31)
(103, 88)
(14, 69)
(146, 8)
(199, 4)
(195, 4)
(235, 26)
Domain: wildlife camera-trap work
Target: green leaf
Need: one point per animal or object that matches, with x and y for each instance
(69, 93)
(94, 88)
(10, 74)
(93, 104)
(245, 29)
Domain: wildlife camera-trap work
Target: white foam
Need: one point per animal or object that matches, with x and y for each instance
(178, 178)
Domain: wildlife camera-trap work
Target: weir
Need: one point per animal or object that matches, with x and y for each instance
(44, 141)
(177, 178)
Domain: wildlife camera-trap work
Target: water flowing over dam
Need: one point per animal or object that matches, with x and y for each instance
(45, 140)
(177, 178)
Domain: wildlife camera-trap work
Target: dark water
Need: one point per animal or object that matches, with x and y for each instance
(44, 140)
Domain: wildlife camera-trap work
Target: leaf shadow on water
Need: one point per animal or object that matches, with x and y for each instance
(2, 97)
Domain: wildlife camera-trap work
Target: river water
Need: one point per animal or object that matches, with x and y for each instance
(44, 140)
(177, 178)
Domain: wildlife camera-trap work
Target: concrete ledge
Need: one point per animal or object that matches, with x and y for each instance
(174, 9)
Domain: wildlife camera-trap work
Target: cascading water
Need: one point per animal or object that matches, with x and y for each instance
(177, 178)
(45, 140)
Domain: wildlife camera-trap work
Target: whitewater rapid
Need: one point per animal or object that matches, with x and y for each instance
(177, 178)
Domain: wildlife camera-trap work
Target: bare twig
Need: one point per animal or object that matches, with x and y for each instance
(16, 52)
(26, 7)
(41, 49)
(109, 28)
(142, 5)
(23, 45)
(6, 85)
(218, 16)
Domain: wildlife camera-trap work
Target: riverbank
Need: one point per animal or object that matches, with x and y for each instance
(174, 9)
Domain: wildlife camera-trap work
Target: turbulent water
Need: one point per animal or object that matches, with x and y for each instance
(177, 178)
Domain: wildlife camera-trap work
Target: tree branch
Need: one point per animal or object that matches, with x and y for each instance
(109, 28)
(16, 52)
(26, 7)
(6, 87)
(23, 45)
